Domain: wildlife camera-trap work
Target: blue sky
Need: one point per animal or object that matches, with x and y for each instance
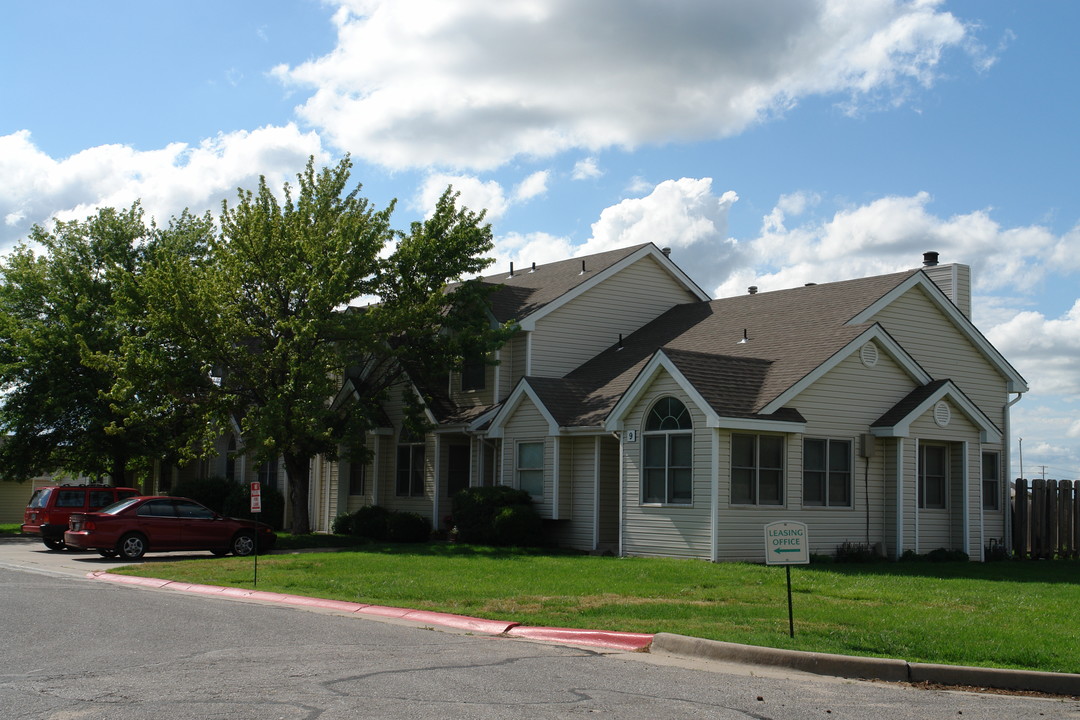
(767, 144)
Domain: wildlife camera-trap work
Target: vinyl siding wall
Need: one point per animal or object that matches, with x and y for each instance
(577, 495)
(931, 338)
(938, 528)
(667, 530)
(387, 471)
(591, 322)
(528, 425)
(841, 406)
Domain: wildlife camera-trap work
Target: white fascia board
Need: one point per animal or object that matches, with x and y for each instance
(477, 422)
(988, 433)
(963, 324)
(644, 379)
(876, 333)
(584, 430)
(504, 413)
(347, 392)
(430, 416)
(756, 425)
(529, 323)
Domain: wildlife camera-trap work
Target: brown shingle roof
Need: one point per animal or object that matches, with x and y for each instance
(789, 334)
(529, 290)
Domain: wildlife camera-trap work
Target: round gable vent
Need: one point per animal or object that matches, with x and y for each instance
(942, 414)
(869, 354)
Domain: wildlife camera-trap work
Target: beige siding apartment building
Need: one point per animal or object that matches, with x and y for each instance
(647, 419)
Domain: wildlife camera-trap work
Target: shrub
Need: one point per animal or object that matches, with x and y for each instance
(476, 510)
(854, 552)
(342, 525)
(371, 522)
(943, 555)
(210, 491)
(407, 527)
(233, 499)
(939, 555)
(517, 525)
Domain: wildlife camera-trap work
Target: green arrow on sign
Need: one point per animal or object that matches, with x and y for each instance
(779, 550)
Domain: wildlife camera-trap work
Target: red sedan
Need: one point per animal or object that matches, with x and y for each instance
(129, 528)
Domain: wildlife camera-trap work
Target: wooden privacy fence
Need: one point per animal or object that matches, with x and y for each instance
(1046, 518)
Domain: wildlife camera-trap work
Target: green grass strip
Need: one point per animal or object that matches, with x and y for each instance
(1009, 614)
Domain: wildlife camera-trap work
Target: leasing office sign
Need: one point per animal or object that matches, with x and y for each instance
(786, 543)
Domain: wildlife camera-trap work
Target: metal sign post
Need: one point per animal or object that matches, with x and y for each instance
(787, 544)
(256, 508)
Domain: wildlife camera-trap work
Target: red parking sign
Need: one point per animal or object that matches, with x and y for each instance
(256, 497)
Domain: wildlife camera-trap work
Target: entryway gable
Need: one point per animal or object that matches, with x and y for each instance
(943, 398)
(659, 365)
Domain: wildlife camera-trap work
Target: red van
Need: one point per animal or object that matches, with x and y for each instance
(50, 507)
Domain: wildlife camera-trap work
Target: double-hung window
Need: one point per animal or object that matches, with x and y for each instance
(933, 476)
(827, 472)
(667, 467)
(410, 465)
(757, 469)
(991, 481)
(530, 468)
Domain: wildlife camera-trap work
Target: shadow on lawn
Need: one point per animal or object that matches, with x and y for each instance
(1044, 571)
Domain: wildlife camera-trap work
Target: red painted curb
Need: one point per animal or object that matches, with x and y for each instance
(633, 642)
(460, 622)
(128, 579)
(595, 638)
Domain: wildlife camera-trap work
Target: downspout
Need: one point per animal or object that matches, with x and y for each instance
(436, 506)
(965, 504)
(899, 497)
(622, 492)
(375, 471)
(1007, 464)
(714, 498)
(596, 493)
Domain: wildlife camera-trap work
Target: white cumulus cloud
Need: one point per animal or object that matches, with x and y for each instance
(473, 84)
(35, 188)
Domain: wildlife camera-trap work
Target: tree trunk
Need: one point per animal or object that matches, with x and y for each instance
(118, 473)
(298, 470)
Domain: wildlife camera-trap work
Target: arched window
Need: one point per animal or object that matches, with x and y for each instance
(410, 464)
(667, 468)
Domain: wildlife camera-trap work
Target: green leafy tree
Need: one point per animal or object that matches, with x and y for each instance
(264, 311)
(64, 301)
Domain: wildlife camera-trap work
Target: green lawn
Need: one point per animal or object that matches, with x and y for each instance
(1008, 614)
(9, 529)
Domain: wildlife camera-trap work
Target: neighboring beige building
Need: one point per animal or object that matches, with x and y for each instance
(646, 419)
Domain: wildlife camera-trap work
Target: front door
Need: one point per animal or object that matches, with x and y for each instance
(457, 469)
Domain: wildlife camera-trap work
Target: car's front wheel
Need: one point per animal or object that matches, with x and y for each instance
(131, 547)
(243, 544)
(54, 544)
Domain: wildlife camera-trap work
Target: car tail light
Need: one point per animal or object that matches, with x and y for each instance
(43, 519)
(89, 525)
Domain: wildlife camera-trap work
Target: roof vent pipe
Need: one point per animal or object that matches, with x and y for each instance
(533, 268)
(929, 259)
(752, 289)
(511, 269)
(620, 341)
(582, 268)
(666, 251)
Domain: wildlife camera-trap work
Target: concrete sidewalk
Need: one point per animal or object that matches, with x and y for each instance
(845, 666)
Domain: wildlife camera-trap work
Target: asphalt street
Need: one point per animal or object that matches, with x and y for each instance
(78, 648)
